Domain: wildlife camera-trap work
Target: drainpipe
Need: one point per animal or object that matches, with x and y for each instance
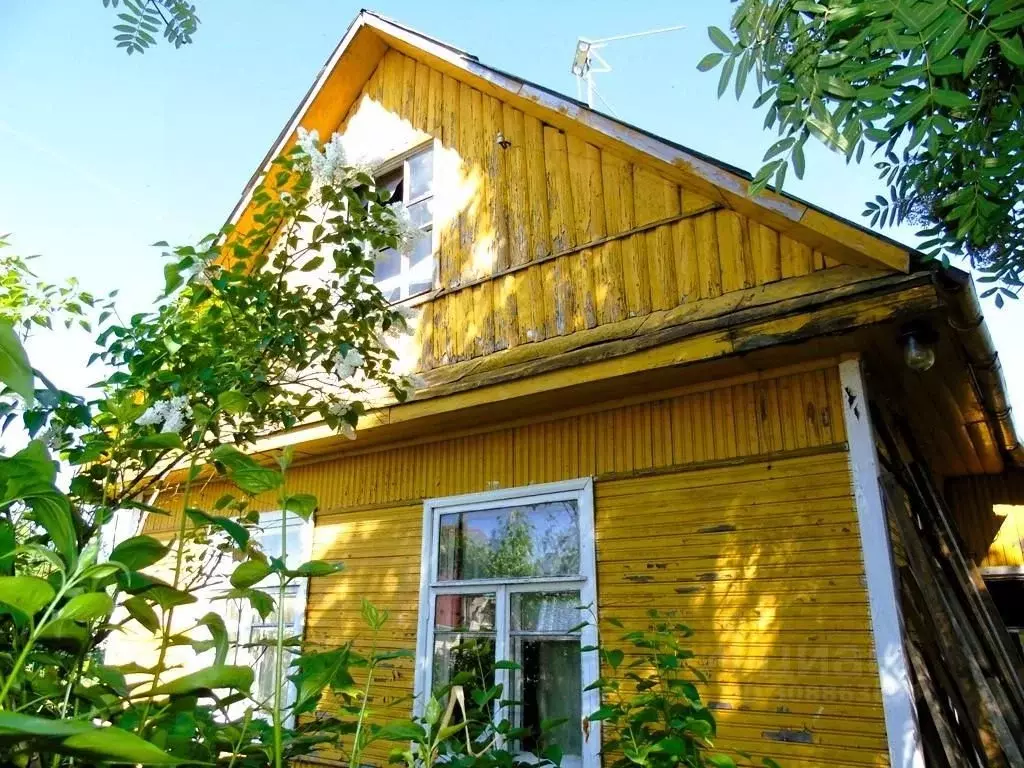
(964, 315)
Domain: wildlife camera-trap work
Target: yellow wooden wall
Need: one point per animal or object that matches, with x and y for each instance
(531, 234)
(989, 512)
(730, 505)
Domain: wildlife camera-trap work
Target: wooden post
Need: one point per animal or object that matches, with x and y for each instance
(901, 724)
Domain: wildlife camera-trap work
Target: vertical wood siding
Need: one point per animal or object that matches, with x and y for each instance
(989, 511)
(759, 555)
(514, 192)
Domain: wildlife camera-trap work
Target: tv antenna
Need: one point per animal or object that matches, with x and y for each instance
(588, 62)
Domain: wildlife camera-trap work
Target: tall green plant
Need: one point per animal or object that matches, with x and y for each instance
(256, 332)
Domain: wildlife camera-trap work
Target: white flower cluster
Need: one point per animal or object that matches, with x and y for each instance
(345, 365)
(329, 166)
(53, 435)
(169, 413)
(340, 410)
(407, 232)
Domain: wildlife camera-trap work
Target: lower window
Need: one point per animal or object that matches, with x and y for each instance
(508, 576)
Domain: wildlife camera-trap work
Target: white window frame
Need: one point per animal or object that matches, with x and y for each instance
(392, 164)
(582, 492)
(269, 521)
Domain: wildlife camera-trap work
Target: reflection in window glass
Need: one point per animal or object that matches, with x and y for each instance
(398, 275)
(545, 643)
(530, 540)
(472, 613)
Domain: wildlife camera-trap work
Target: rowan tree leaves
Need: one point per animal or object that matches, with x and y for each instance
(932, 90)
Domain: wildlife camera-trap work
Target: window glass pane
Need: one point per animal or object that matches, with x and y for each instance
(463, 659)
(546, 611)
(392, 181)
(547, 686)
(421, 174)
(470, 613)
(388, 264)
(422, 213)
(529, 540)
(421, 265)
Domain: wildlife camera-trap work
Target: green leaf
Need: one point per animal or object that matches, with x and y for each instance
(248, 573)
(113, 745)
(975, 50)
(66, 631)
(15, 370)
(138, 552)
(28, 594)
(218, 633)
(720, 39)
(237, 678)
(302, 504)
(504, 664)
(318, 568)
(244, 471)
(709, 62)
(952, 99)
(721, 761)
(401, 730)
(614, 658)
(52, 510)
(142, 612)
(238, 532)
(87, 607)
(159, 442)
(233, 401)
(1012, 49)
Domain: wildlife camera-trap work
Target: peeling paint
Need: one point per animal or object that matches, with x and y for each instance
(639, 579)
(723, 528)
(709, 576)
(790, 736)
(687, 590)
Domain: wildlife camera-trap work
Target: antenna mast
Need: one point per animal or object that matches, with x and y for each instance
(587, 62)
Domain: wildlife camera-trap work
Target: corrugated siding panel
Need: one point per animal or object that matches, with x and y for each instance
(760, 557)
(543, 192)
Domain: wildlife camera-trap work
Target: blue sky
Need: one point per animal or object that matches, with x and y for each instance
(102, 154)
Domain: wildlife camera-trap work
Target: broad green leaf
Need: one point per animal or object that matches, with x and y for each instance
(161, 441)
(8, 544)
(302, 504)
(140, 610)
(248, 573)
(318, 672)
(709, 62)
(237, 678)
(952, 99)
(614, 658)
(720, 39)
(504, 664)
(318, 568)
(139, 552)
(238, 532)
(16, 724)
(28, 594)
(721, 761)
(218, 634)
(245, 472)
(979, 43)
(113, 745)
(65, 631)
(1012, 49)
(233, 401)
(87, 607)
(401, 730)
(15, 370)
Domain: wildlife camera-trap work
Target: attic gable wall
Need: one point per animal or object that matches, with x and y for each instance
(541, 234)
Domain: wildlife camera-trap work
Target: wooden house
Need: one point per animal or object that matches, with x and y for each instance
(693, 401)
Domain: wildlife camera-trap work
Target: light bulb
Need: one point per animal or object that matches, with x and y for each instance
(918, 356)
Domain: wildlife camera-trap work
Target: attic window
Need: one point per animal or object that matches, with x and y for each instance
(411, 182)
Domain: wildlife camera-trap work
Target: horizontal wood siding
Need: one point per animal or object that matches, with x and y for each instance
(759, 555)
(512, 193)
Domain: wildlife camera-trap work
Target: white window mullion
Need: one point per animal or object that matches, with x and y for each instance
(502, 677)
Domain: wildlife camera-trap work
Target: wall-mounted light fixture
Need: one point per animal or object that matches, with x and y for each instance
(919, 340)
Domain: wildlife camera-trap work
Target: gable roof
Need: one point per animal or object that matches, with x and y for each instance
(370, 35)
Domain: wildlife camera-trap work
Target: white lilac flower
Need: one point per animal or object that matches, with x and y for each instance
(406, 313)
(338, 408)
(52, 435)
(406, 232)
(172, 414)
(345, 365)
(329, 167)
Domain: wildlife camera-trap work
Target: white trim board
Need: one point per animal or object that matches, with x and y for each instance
(901, 726)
